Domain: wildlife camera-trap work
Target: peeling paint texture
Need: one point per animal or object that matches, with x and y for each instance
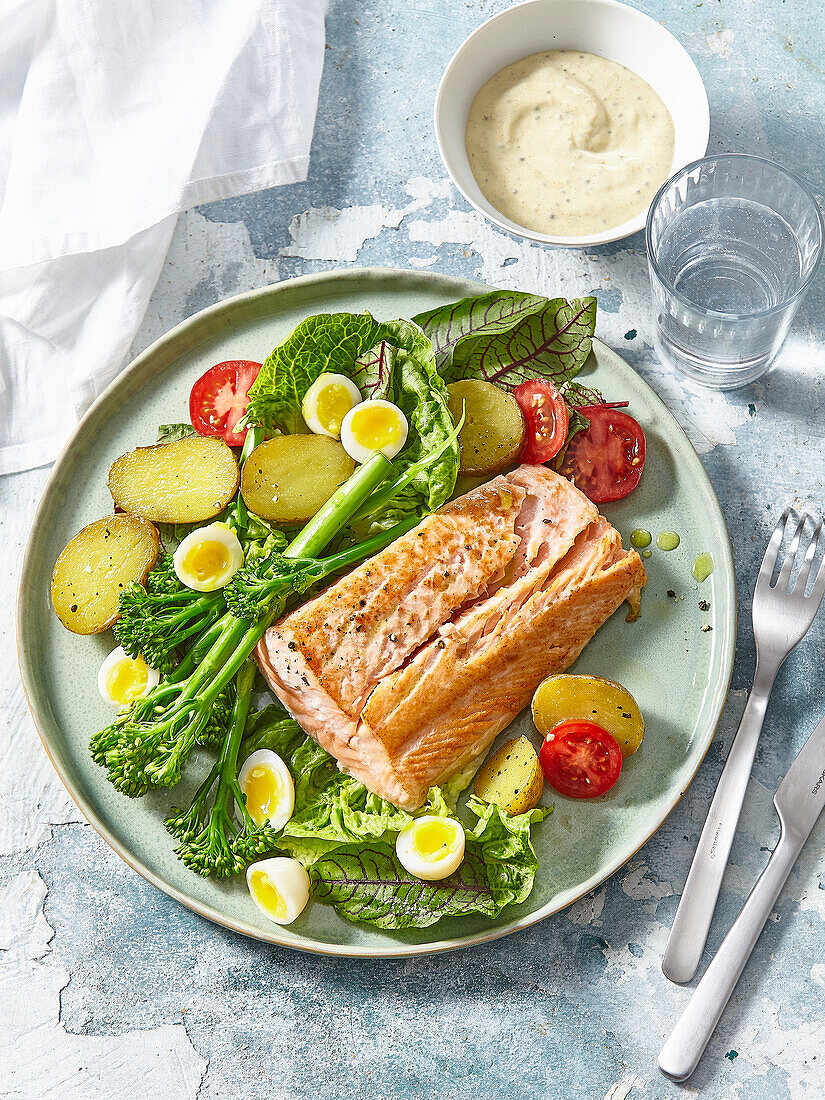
(109, 989)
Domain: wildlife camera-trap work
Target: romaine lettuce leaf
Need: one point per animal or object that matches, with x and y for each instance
(323, 342)
(171, 433)
(503, 842)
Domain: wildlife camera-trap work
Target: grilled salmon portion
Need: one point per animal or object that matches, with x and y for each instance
(368, 623)
(408, 668)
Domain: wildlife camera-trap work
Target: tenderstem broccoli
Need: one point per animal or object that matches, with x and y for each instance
(157, 619)
(147, 745)
(212, 841)
(256, 588)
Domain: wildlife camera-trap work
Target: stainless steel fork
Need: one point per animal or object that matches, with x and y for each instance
(782, 614)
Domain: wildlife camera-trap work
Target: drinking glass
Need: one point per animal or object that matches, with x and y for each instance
(733, 243)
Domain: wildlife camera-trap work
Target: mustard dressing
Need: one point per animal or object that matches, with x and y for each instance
(569, 143)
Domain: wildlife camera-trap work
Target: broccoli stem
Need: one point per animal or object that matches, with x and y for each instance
(210, 841)
(227, 763)
(196, 654)
(355, 554)
(254, 437)
(340, 508)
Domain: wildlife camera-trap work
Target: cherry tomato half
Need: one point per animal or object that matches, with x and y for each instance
(219, 398)
(547, 420)
(607, 460)
(580, 759)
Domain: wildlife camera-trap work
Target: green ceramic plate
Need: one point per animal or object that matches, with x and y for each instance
(678, 673)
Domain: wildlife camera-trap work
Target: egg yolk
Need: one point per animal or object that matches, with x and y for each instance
(331, 406)
(375, 427)
(207, 561)
(127, 680)
(267, 894)
(433, 839)
(262, 788)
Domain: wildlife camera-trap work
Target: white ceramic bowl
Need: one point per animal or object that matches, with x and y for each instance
(603, 27)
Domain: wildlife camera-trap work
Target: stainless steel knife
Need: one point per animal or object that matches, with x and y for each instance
(799, 802)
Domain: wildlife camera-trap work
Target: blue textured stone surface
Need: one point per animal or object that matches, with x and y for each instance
(576, 1006)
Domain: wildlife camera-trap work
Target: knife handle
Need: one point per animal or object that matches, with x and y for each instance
(681, 1053)
(692, 921)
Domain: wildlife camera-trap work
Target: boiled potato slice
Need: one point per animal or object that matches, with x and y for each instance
(96, 566)
(493, 430)
(187, 481)
(512, 778)
(288, 478)
(571, 696)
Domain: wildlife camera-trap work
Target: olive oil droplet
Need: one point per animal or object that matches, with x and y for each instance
(640, 538)
(667, 540)
(702, 567)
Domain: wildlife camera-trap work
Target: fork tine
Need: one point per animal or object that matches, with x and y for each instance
(790, 557)
(818, 590)
(769, 560)
(810, 554)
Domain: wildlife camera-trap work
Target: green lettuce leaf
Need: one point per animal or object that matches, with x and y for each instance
(508, 337)
(323, 342)
(172, 433)
(452, 788)
(330, 808)
(366, 882)
(422, 397)
(390, 359)
(503, 842)
(258, 537)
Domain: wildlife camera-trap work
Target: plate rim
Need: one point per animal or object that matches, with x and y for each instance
(317, 947)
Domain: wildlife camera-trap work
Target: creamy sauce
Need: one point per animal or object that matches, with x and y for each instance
(569, 143)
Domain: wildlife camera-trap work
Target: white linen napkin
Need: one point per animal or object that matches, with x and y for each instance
(114, 117)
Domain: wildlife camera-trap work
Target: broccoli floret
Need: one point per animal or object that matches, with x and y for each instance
(214, 732)
(147, 745)
(157, 619)
(163, 579)
(211, 841)
(257, 587)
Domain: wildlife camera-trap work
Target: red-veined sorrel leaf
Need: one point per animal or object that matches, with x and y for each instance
(507, 337)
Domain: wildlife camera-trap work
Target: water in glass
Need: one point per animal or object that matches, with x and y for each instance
(728, 271)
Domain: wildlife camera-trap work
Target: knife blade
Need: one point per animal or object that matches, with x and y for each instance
(800, 797)
(799, 800)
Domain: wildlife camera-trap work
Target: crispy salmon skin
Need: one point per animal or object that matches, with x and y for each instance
(407, 669)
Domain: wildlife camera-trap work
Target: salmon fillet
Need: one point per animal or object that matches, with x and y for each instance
(407, 669)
